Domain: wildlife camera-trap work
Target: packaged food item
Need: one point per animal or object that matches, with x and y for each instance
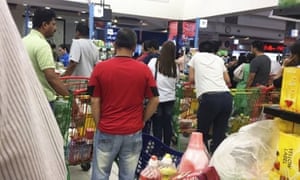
(167, 168)
(288, 156)
(151, 172)
(195, 158)
(289, 97)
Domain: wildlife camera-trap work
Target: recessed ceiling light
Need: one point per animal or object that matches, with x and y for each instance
(47, 7)
(76, 22)
(59, 17)
(25, 4)
(83, 20)
(83, 12)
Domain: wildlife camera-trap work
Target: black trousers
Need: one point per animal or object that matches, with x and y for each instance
(214, 110)
(162, 122)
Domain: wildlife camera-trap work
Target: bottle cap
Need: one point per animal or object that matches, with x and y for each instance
(153, 161)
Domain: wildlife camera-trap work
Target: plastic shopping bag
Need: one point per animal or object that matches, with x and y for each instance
(248, 154)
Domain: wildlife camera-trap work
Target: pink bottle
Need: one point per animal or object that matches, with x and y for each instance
(195, 158)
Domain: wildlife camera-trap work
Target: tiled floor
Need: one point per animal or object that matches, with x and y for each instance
(78, 174)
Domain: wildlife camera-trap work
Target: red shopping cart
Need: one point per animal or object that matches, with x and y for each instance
(76, 122)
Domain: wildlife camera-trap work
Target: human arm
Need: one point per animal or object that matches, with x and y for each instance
(70, 69)
(192, 74)
(55, 82)
(150, 108)
(95, 105)
(250, 80)
(74, 58)
(227, 79)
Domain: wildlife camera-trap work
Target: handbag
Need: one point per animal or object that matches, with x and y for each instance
(238, 73)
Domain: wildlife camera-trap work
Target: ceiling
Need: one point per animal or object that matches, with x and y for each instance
(77, 11)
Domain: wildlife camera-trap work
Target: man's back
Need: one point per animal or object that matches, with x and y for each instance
(123, 84)
(85, 53)
(261, 66)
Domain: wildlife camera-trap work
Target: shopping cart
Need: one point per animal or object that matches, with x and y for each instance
(153, 146)
(249, 103)
(76, 123)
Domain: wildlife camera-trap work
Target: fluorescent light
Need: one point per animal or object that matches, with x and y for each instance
(59, 17)
(83, 20)
(47, 7)
(76, 22)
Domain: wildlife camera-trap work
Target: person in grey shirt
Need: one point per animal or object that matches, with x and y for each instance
(83, 54)
(31, 143)
(260, 66)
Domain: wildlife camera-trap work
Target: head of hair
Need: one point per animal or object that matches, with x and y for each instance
(295, 51)
(42, 15)
(64, 46)
(146, 45)
(167, 65)
(258, 45)
(126, 38)
(209, 46)
(83, 29)
(250, 56)
(154, 44)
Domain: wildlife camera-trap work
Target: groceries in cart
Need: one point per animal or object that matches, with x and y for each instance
(75, 121)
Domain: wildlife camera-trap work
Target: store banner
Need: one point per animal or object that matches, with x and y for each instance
(189, 29)
(173, 29)
(288, 3)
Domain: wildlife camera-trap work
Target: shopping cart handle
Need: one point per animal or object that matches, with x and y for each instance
(74, 78)
(79, 91)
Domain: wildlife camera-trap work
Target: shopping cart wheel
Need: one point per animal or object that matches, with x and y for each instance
(85, 166)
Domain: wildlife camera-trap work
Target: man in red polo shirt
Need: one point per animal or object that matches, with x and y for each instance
(118, 87)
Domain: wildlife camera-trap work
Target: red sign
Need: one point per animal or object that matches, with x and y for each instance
(189, 29)
(273, 48)
(173, 29)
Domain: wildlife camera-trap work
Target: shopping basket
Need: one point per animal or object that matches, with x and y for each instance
(80, 127)
(153, 146)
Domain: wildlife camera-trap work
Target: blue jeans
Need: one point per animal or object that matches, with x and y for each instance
(214, 110)
(107, 148)
(162, 122)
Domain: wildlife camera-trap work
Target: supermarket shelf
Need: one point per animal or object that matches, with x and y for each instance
(286, 115)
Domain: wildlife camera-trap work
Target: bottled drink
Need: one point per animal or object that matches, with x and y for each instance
(195, 158)
(151, 172)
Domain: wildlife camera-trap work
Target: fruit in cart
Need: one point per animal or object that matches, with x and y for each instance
(237, 122)
(62, 113)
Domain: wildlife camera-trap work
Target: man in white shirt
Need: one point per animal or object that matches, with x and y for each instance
(83, 54)
(211, 79)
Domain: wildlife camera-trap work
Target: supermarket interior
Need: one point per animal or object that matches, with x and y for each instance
(230, 109)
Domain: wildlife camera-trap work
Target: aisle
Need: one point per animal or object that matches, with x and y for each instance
(78, 174)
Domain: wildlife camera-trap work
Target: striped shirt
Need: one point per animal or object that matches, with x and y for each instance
(31, 144)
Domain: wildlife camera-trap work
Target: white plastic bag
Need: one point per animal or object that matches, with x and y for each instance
(248, 154)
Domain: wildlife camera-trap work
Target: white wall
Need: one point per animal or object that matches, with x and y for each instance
(168, 9)
(208, 8)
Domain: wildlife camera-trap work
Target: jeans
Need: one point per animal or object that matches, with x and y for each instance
(162, 122)
(214, 109)
(107, 148)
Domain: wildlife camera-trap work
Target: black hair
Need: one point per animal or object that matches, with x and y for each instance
(126, 38)
(259, 45)
(209, 46)
(64, 46)
(146, 45)
(42, 15)
(83, 29)
(154, 44)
